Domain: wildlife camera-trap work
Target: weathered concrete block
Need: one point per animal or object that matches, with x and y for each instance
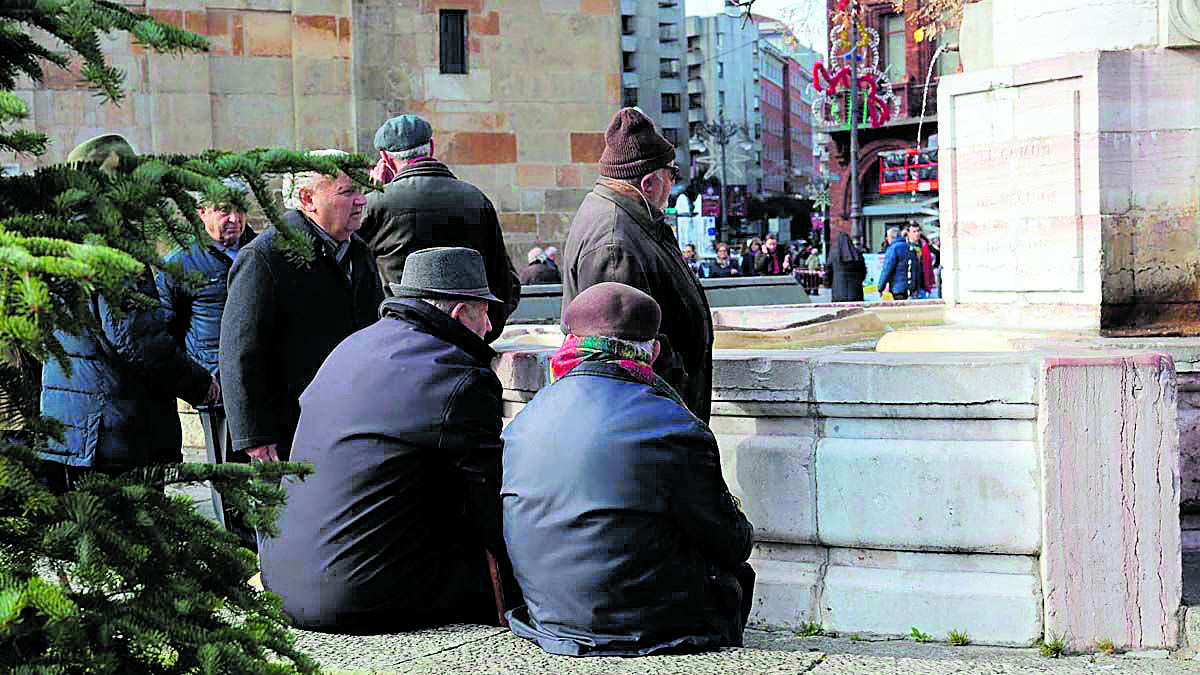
(787, 584)
(907, 378)
(928, 495)
(768, 463)
(1110, 563)
(744, 374)
(996, 599)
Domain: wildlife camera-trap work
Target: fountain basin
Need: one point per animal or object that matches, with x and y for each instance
(1026, 490)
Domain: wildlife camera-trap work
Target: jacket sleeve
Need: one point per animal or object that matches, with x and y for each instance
(503, 280)
(889, 268)
(705, 509)
(141, 340)
(175, 306)
(470, 441)
(251, 390)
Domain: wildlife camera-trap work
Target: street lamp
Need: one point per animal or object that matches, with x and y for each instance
(722, 131)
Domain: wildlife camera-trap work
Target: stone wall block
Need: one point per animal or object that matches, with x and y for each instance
(247, 75)
(901, 494)
(191, 111)
(760, 371)
(994, 608)
(523, 369)
(787, 584)
(1110, 563)
(322, 76)
(237, 120)
(266, 33)
(939, 378)
(479, 148)
(315, 37)
(773, 475)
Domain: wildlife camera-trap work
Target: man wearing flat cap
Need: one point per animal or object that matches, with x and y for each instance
(402, 423)
(622, 533)
(425, 206)
(620, 234)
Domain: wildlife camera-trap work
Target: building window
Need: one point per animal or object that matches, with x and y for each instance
(453, 40)
(670, 103)
(694, 128)
(672, 136)
(629, 61)
(893, 46)
(668, 67)
(721, 99)
(720, 69)
(695, 101)
(630, 97)
(627, 25)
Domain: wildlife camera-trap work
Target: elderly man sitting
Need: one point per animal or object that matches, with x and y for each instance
(402, 424)
(623, 535)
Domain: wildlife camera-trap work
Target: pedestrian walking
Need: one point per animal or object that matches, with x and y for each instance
(849, 271)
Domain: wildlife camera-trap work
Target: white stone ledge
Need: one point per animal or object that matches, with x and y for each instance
(773, 476)
(998, 609)
(932, 378)
(928, 495)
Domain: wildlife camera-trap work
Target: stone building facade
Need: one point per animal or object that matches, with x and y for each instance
(525, 122)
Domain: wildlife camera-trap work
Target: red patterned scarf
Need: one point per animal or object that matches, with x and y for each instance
(576, 350)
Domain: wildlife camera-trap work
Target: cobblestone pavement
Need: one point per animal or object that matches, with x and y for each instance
(480, 649)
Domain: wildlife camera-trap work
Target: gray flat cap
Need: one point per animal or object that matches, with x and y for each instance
(403, 133)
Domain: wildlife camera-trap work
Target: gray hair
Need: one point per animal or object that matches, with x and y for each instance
(412, 153)
(293, 183)
(534, 254)
(447, 305)
(893, 232)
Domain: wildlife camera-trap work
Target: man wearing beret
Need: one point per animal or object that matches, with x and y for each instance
(402, 424)
(424, 205)
(622, 533)
(620, 234)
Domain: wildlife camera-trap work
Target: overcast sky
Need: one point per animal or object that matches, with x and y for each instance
(778, 9)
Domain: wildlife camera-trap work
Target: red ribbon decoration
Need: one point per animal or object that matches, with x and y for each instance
(876, 108)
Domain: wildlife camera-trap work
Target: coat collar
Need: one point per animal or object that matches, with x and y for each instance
(654, 222)
(428, 167)
(434, 321)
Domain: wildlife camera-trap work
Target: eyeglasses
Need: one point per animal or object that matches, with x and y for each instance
(675, 175)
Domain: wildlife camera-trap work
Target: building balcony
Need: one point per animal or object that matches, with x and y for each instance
(668, 4)
(668, 33)
(629, 43)
(695, 56)
(629, 7)
(696, 115)
(695, 86)
(629, 79)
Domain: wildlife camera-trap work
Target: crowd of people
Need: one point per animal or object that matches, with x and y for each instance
(597, 522)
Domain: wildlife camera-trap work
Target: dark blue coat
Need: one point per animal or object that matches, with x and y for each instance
(118, 402)
(193, 312)
(617, 520)
(901, 272)
(402, 424)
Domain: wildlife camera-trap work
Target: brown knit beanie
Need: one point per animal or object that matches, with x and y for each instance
(611, 309)
(632, 147)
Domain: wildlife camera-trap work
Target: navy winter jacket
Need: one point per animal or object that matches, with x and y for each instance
(901, 271)
(193, 311)
(118, 402)
(618, 522)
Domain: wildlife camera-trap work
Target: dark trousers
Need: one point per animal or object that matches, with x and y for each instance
(902, 295)
(217, 442)
(62, 478)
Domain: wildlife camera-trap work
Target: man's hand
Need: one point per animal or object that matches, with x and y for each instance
(263, 453)
(214, 392)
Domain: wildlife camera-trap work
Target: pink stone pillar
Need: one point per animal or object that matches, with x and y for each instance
(1110, 563)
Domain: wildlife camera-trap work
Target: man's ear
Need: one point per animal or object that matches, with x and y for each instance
(458, 310)
(648, 183)
(305, 197)
(656, 352)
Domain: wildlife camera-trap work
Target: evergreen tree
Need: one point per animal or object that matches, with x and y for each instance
(117, 576)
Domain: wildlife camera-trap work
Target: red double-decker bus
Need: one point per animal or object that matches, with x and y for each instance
(910, 170)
